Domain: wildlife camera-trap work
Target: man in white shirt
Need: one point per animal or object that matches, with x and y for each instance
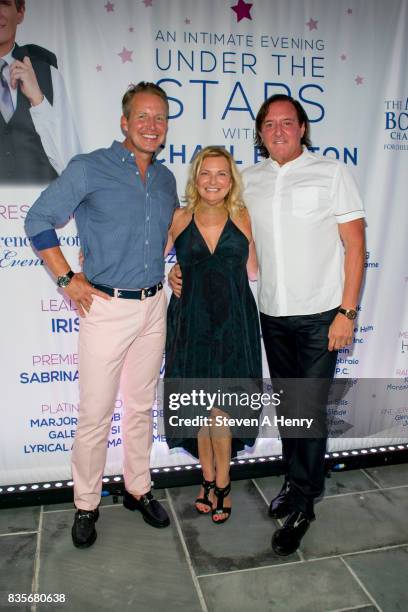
(307, 223)
(37, 132)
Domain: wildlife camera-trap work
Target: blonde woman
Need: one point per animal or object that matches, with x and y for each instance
(212, 328)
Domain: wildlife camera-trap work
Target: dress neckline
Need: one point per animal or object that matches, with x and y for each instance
(202, 237)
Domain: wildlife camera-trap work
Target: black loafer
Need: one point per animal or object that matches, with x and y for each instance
(83, 530)
(286, 540)
(282, 504)
(152, 511)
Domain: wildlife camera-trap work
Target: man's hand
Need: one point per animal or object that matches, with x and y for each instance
(81, 292)
(23, 73)
(175, 280)
(341, 332)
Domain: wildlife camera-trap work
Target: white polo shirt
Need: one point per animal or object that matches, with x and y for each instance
(295, 210)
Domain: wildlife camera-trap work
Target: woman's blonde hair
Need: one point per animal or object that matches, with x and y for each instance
(233, 201)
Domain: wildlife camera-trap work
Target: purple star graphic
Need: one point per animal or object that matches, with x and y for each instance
(359, 80)
(349, 11)
(343, 57)
(242, 9)
(110, 7)
(312, 24)
(148, 3)
(98, 68)
(126, 55)
(131, 29)
(187, 21)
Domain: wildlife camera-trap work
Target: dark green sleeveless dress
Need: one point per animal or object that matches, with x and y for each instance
(213, 328)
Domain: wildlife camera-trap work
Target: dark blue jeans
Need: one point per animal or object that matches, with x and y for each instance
(296, 348)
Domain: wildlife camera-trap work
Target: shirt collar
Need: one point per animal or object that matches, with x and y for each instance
(124, 154)
(298, 161)
(9, 56)
(120, 151)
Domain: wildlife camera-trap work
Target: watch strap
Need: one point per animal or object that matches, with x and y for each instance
(350, 313)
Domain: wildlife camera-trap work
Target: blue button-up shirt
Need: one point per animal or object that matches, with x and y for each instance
(122, 221)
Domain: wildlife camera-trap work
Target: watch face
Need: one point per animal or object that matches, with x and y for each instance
(349, 313)
(63, 281)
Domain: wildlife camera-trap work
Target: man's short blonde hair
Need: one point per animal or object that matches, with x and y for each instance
(142, 87)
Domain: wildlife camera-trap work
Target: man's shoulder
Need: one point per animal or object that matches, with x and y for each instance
(35, 53)
(255, 168)
(316, 161)
(94, 160)
(95, 155)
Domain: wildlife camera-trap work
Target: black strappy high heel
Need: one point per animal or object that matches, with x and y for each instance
(207, 485)
(221, 493)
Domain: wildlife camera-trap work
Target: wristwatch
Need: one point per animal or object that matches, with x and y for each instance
(349, 313)
(63, 281)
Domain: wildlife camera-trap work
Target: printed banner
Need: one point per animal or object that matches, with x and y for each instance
(345, 60)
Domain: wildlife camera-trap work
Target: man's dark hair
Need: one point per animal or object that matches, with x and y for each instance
(263, 111)
(142, 87)
(20, 4)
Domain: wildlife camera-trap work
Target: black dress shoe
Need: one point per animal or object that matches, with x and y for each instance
(83, 530)
(152, 511)
(286, 540)
(282, 504)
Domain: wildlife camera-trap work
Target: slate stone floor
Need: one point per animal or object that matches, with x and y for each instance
(354, 557)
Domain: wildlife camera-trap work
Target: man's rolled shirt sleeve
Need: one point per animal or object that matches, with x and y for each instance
(347, 203)
(55, 205)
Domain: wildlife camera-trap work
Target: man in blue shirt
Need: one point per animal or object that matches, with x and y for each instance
(123, 201)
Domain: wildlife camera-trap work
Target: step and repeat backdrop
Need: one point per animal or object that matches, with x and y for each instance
(345, 60)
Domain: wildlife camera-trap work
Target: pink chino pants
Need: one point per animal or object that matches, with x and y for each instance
(120, 341)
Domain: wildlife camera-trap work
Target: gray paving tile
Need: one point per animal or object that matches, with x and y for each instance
(384, 574)
(60, 507)
(159, 493)
(360, 609)
(13, 520)
(357, 609)
(358, 522)
(317, 586)
(390, 475)
(131, 565)
(16, 567)
(269, 485)
(240, 543)
(351, 481)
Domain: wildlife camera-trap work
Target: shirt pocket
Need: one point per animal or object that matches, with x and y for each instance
(305, 201)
